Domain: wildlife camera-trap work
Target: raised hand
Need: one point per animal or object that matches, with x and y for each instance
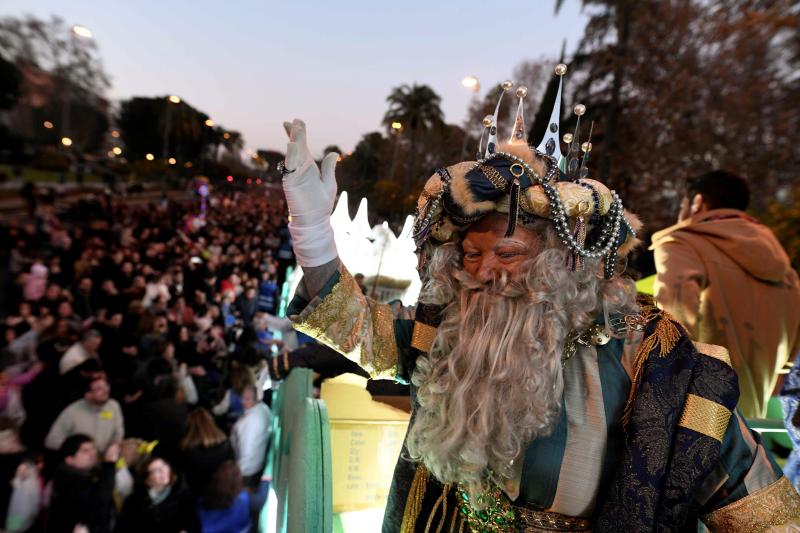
(310, 196)
(309, 193)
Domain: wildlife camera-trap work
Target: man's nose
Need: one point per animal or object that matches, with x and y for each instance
(490, 269)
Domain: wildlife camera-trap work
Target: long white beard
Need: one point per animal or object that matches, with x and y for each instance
(493, 380)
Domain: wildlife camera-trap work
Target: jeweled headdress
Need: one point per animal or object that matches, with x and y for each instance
(528, 184)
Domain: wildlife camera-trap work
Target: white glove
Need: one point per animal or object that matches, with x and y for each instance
(310, 198)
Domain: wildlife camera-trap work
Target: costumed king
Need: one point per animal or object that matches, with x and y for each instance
(545, 395)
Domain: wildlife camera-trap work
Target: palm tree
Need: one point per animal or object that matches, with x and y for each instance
(417, 109)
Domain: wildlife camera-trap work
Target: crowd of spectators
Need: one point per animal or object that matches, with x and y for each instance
(136, 351)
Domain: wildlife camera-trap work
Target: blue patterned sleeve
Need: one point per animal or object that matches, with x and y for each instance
(790, 401)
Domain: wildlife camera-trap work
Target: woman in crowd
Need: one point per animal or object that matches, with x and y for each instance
(203, 449)
(227, 507)
(159, 504)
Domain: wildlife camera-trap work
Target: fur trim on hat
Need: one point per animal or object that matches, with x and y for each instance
(631, 242)
(462, 193)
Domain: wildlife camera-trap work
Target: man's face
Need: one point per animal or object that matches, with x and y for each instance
(499, 340)
(98, 392)
(116, 320)
(488, 253)
(85, 458)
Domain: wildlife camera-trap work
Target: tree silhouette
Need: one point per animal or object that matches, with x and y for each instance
(9, 84)
(417, 109)
(143, 122)
(53, 47)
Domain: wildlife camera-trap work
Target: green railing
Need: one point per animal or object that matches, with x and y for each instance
(299, 462)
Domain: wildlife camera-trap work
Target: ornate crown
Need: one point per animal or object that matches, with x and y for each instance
(528, 184)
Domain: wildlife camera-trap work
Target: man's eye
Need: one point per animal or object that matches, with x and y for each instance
(509, 255)
(471, 255)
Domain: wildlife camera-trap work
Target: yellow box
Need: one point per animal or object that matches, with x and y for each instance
(366, 438)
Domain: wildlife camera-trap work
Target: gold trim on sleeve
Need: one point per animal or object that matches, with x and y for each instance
(384, 346)
(665, 336)
(354, 325)
(704, 416)
(777, 504)
(712, 350)
(423, 336)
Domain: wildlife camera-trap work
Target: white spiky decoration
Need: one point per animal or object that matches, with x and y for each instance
(375, 251)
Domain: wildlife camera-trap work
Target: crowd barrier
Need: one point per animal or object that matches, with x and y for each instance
(299, 460)
(332, 459)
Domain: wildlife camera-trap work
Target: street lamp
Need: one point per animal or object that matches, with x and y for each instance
(171, 99)
(47, 124)
(471, 82)
(171, 161)
(82, 31)
(75, 33)
(209, 122)
(149, 157)
(66, 141)
(117, 150)
(397, 128)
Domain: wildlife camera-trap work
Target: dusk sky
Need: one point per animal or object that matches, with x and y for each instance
(250, 65)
